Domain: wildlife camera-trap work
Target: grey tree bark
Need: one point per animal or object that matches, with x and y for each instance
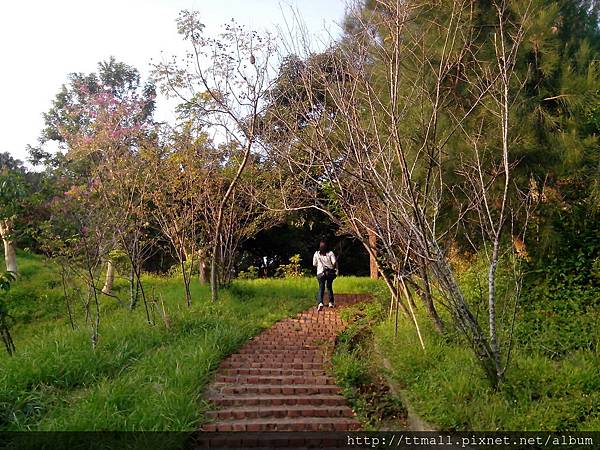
(10, 255)
(110, 278)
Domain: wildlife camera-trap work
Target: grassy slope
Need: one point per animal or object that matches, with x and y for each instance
(446, 385)
(542, 391)
(151, 378)
(140, 377)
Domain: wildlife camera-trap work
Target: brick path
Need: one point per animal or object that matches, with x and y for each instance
(278, 380)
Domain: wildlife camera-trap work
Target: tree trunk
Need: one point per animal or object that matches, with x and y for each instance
(7, 338)
(428, 300)
(214, 289)
(132, 289)
(492, 307)
(465, 320)
(202, 268)
(10, 256)
(186, 279)
(373, 256)
(110, 278)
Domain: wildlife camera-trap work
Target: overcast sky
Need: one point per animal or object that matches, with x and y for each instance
(42, 41)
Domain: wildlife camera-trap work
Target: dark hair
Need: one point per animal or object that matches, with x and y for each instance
(323, 247)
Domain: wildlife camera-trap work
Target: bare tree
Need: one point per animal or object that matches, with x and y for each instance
(180, 176)
(243, 216)
(487, 169)
(126, 181)
(77, 237)
(375, 124)
(222, 85)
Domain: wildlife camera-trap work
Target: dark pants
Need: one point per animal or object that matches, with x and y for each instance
(325, 282)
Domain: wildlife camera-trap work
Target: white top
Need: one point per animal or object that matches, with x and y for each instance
(324, 261)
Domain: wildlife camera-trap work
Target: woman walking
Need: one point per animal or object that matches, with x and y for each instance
(326, 264)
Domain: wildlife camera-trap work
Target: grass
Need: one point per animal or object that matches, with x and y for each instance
(151, 377)
(140, 376)
(357, 372)
(446, 385)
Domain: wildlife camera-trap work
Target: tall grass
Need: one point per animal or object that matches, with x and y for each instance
(140, 376)
(446, 386)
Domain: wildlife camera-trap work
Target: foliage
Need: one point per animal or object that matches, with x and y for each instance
(16, 198)
(13, 190)
(561, 305)
(251, 273)
(86, 96)
(293, 269)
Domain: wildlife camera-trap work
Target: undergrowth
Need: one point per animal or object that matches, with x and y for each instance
(357, 374)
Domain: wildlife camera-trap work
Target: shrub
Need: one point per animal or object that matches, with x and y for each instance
(291, 270)
(250, 274)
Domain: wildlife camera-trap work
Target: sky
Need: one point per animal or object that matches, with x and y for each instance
(42, 41)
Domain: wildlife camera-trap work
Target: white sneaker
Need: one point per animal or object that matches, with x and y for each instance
(320, 307)
(330, 305)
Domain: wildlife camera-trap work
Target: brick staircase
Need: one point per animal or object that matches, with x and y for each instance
(278, 380)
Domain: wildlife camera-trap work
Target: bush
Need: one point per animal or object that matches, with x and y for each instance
(291, 270)
(250, 274)
(561, 305)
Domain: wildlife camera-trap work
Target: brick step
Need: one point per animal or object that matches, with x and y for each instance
(324, 315)
(251, 364)
(313, 321)
(279, 352)
(276, 389)
(286, 424)
(310, 320)
(296, 336)
(281, 356)
(288, 359)
(288, 344)
(276, 347)
(290, 347)
(329, 317)
(293, 336)
(297, 411)
(278, 372)
(276, 400)
(270, 379)
(307, 325)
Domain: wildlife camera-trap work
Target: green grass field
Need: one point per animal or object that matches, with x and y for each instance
(445, 385)
(141, 376)
(151, 377)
